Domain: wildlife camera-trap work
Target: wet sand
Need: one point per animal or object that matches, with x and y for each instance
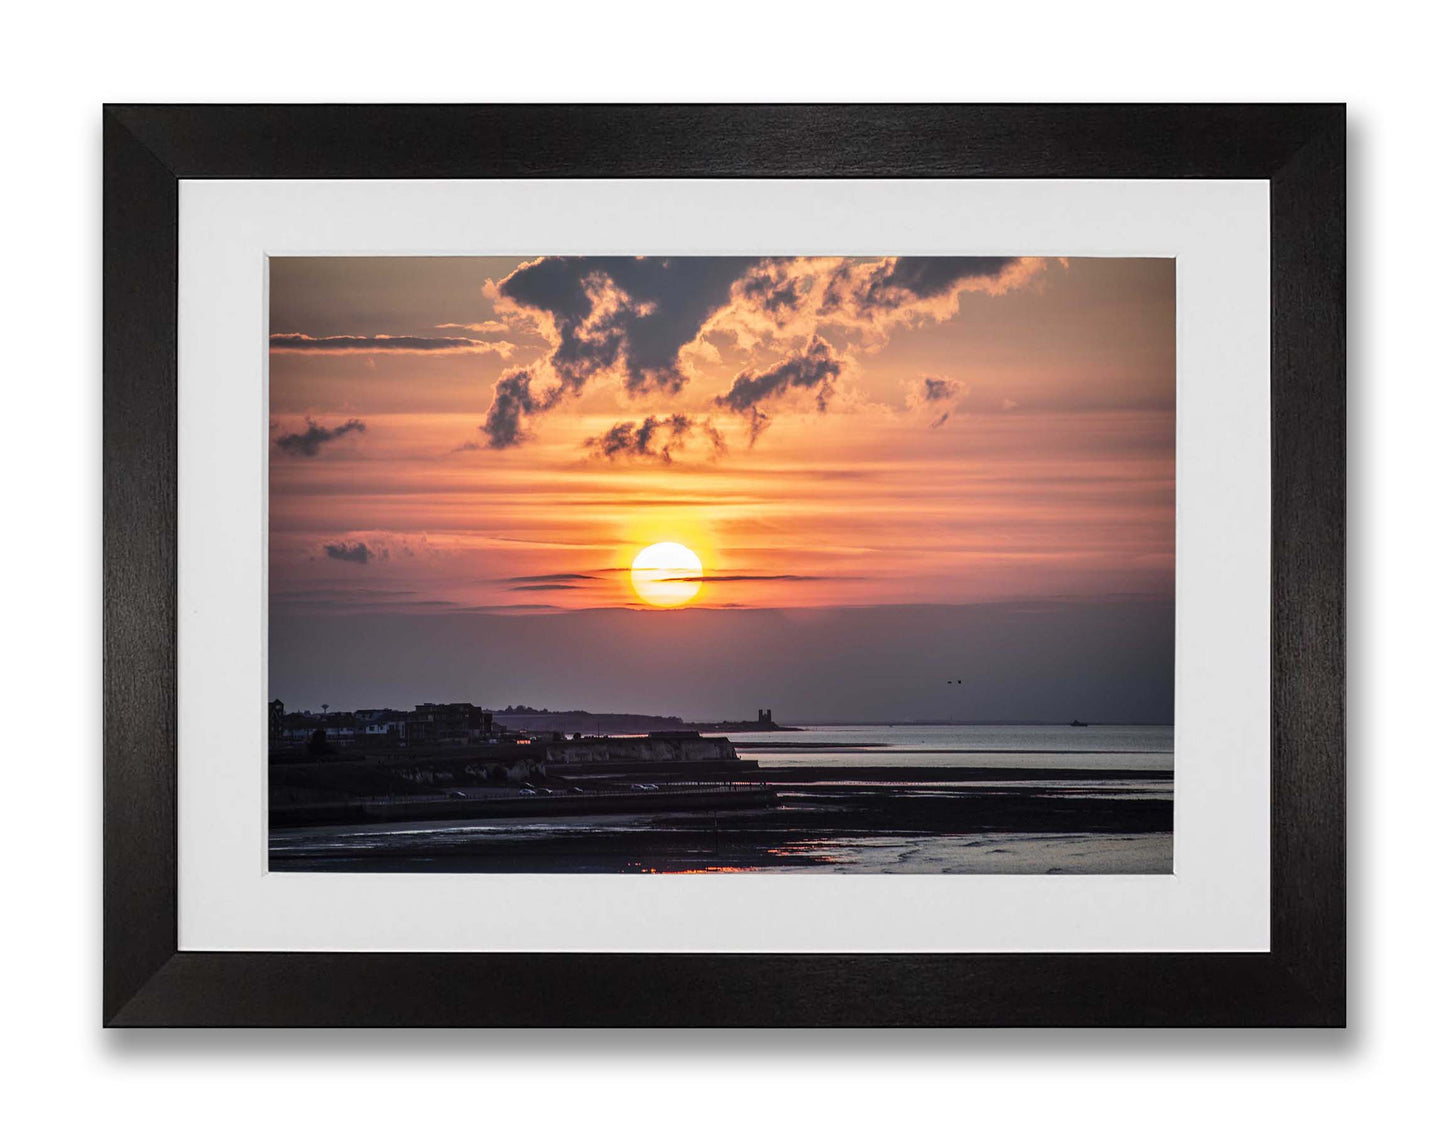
(827, 819)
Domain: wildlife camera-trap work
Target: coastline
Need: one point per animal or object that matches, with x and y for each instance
(677, 802)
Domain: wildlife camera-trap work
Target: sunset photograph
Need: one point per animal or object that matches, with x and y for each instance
(719, 565)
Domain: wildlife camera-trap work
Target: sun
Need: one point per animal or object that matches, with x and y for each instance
(667, 574)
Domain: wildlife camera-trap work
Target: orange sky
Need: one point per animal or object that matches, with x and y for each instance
(851, 432)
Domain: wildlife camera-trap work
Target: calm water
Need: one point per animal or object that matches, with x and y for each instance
(1112, 747)
(841, 825)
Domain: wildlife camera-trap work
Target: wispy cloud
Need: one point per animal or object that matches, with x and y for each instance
(308, 443)
(553, 577)
(364, 594)
(654, 438)
(476, 326)
(782, 301)
(751, 578)
(814, 368)
(508, 608)
(353, 345)
(936, 395)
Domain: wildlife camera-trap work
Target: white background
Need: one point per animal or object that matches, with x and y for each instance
(63, 61)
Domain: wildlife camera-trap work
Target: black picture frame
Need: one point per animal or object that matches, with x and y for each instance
(1299, 149)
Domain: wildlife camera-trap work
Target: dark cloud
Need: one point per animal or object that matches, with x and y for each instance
(554, 577)
(719, 444)
(905, 280)
(512, 399)
(631, 439)
(935, 388)
(772, 288)
(815, 368)
(668, 299)
(308, 443)
(350, 553)
(654, 438)
(632, 315)
(301, 342)
(931, 393)
(546, 587)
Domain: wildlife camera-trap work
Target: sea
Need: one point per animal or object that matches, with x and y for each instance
(1120, 747)
(967, 811)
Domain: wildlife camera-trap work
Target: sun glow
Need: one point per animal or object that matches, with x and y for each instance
(667, 574)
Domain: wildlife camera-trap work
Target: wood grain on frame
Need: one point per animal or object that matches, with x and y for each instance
(1299, 148)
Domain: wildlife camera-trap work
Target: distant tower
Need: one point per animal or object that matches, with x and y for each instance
(276, 720)
(765, 716)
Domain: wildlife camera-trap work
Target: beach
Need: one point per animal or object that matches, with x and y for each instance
(965, 799)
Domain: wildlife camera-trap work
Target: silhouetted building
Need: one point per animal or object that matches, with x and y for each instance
(449, 725)
(276, 721)
(427, 725)
(765, 716)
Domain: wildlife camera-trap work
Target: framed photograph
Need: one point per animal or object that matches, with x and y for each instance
(724, 565)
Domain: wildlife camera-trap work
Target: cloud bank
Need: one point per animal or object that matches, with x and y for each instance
(625, 318)
(644, 322)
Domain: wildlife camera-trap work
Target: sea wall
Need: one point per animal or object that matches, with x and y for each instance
(682, 747)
